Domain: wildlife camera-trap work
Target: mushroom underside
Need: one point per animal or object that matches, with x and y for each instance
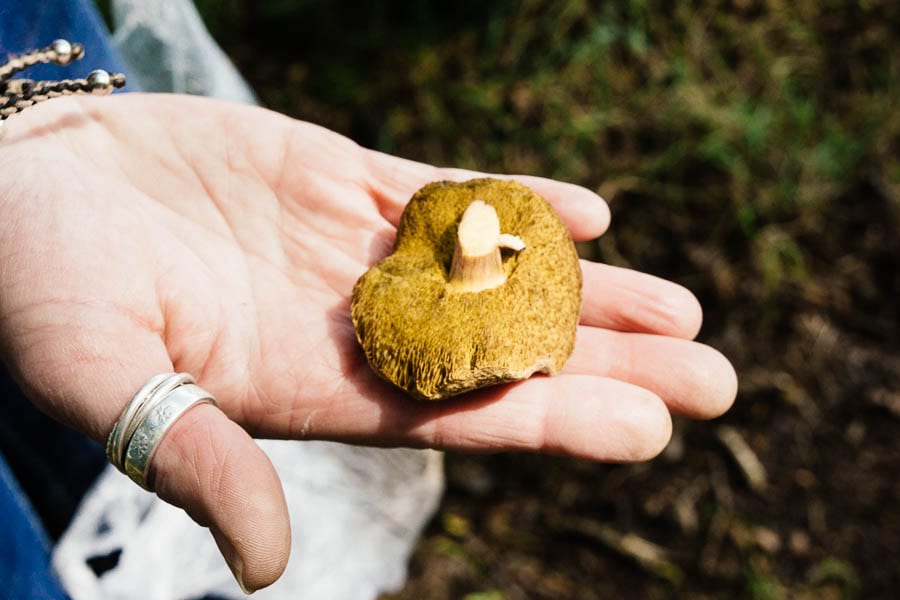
(444, 343)
(424, 325)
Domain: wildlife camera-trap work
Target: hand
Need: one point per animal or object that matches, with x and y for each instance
(144, 234)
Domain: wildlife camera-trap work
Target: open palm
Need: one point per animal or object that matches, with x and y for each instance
(144, 234)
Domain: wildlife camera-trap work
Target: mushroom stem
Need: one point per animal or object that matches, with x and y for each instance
(477, 265)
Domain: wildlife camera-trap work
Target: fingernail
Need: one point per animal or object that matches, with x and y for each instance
(232, 558)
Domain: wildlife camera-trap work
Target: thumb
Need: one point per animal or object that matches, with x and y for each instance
(205, 463)
(212, 468)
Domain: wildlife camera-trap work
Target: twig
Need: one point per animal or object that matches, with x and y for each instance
(685, 506)
(751, 467)
(650, 556)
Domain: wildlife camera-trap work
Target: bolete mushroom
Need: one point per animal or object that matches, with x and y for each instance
(483, 287)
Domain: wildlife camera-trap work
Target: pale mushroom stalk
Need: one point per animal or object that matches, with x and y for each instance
(477, 264)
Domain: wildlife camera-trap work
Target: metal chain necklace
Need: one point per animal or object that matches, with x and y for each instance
(18, 94)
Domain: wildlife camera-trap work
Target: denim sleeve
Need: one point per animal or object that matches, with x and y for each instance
(24, 549)
(30, 24)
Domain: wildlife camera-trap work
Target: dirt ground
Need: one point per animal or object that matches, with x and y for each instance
(749, 150)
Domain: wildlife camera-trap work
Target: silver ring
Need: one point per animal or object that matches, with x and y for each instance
(124, 427)
(145, 421)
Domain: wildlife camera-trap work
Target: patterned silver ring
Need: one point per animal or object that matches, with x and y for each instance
(124, 427)
(142, 426)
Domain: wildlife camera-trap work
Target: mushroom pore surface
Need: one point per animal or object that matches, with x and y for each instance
(441, 316)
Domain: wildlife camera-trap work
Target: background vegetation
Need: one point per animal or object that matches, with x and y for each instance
(749, 150)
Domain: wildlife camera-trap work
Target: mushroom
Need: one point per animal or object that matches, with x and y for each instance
(483, 287)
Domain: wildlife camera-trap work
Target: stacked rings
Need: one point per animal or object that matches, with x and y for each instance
(153, 410)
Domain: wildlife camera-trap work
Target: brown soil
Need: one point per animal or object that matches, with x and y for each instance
(749, 150)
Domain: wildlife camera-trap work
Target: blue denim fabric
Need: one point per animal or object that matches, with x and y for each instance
(30, 24)
(45, 468)
(24, 547)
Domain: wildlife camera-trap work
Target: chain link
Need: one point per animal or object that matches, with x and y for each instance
(60, 52)
(18, 94)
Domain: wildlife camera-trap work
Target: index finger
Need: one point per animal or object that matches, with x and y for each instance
(393, 180)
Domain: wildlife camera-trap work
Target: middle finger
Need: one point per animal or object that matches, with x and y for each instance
(692, 379)
(627, 300)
